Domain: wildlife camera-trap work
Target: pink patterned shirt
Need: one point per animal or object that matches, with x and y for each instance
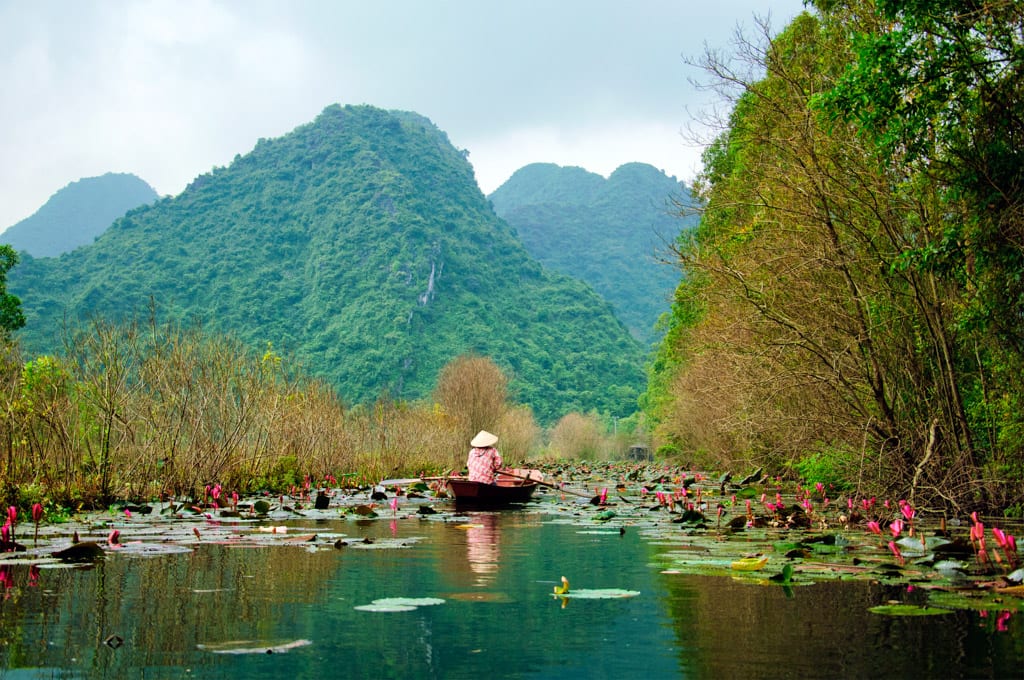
(482, 463)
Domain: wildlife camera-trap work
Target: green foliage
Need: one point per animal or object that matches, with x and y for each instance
(855, 281)
(11, 316)
(284, 474)
(360, 245)
(613, 234)
(835, 468)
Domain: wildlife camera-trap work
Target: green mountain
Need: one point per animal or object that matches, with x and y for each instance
(361, 245)
(77, 214)
(613, 233)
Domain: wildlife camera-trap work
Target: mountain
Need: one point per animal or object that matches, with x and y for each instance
(77, 214)
(612, 233)
(361, 245)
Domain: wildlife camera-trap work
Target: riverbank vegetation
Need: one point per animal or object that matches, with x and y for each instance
(852, 303)
(140, 412)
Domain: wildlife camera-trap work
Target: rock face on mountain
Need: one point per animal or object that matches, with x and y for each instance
(77, 214)
(361, 245)
(615, 234)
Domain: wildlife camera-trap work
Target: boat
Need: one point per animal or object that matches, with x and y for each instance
(508, 491)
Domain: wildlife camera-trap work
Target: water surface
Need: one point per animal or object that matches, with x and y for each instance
(290, 611)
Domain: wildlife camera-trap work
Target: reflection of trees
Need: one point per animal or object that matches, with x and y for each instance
(731, 629)
(163, 607)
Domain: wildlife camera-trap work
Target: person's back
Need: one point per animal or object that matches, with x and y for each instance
(484, 460)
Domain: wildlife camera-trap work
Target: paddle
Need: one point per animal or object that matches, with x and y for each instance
(552, 486)
(408, 481)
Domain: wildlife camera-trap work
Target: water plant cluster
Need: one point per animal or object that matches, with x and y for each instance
(759, 529)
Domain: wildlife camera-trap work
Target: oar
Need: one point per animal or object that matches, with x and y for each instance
(408, 481)
(552, 486)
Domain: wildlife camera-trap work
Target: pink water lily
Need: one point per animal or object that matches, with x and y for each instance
(896, 551)
(37, 515)
(908, 512)
(874, 528)
(896, 527)
(1000, 536)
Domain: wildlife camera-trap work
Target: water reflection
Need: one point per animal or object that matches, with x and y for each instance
(482, 548)
(177, 614)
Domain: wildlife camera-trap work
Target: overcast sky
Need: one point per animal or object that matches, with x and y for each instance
(169, 89)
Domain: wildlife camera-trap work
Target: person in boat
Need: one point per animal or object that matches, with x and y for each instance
(484, 460)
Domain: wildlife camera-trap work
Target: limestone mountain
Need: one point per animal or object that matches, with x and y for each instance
(613, 233)
(361, 245)
(77, 214)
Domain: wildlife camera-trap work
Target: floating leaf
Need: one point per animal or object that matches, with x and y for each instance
(975, 600)
(749, 563)
(907, 610)
(599, 594)
(398, 604)
(411, 601)
(231, 648)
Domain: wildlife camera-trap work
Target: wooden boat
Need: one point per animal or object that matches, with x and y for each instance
(506, 492)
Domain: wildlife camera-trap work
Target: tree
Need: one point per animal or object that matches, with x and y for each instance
(474, 391)
(11, 317)
(799, 329)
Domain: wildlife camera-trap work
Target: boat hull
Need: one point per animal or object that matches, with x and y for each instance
(483, 495)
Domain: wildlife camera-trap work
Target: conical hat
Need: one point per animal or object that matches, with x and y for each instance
(483, 439)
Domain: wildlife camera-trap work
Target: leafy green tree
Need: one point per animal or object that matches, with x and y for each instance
(806, 327)
(939, 87)
(11, 316)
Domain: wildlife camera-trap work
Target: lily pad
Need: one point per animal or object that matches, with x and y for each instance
(399, 604)
(975, 600)
(598, 593)
(907, 610)
(234, 648)
(749, 563)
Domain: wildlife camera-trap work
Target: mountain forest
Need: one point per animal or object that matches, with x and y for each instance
(360, 247)
(615, 234)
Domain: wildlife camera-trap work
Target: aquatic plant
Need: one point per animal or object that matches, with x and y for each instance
(37, 515)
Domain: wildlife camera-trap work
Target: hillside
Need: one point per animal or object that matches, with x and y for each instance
(611, 233)
(361, 245)
(77, 214)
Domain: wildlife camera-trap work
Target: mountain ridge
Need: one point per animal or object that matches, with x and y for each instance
(361, 243)
(615, 234)
(78, 213)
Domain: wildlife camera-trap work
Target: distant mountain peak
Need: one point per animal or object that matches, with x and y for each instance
(613, 233)
(75, 215)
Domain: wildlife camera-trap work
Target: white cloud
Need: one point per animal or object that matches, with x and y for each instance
(168, 89)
